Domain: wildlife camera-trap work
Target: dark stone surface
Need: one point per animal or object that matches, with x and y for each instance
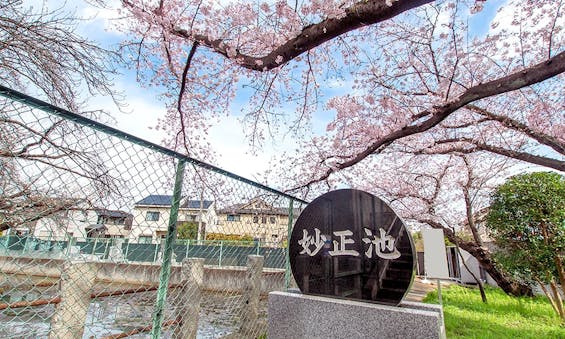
(350, 244)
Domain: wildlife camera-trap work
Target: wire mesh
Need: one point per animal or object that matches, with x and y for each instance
(92, 245)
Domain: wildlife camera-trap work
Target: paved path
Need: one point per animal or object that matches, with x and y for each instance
(420, 289)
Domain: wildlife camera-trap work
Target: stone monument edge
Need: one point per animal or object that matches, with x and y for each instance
(410, 319)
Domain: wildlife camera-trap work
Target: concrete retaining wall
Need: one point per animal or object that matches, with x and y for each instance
(225, 278)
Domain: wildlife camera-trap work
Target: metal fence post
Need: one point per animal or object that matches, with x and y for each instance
(71, 242)
(127, 250)
(287, 254)
(167, 255)
(105, 255)
(221, 252)
(156, 252)
(94, 246)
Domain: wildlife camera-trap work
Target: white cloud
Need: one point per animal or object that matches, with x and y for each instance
(534, 20)
(233, 152)
(106, 18)
(140, 114)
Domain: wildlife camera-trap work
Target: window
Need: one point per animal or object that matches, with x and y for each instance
(255, 220)
(145, 239)
(272, 220)
(263, 220)
(84, 216)
(152, 216)
(232, 217)
(192, 217)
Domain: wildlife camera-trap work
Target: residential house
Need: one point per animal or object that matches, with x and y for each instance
(110, 224)
(80, 223)
(464, 264)
(22, 216)
(256, 218)
(151, 216)
(62, 225)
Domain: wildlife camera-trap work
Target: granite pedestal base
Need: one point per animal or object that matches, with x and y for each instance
(293, 315)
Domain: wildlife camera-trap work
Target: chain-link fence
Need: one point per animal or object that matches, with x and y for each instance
(105, 235)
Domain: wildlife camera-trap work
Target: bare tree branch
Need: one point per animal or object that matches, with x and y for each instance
(41, 48)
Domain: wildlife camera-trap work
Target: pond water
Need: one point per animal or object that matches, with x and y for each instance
(220, 315)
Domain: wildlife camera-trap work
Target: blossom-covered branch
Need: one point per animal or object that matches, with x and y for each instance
(514, 81)
(360, 14)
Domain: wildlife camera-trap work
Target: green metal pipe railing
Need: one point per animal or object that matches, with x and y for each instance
(287, 254)
(168, 253)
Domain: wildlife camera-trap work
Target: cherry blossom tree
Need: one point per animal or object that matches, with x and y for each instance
(415, 80)
(448, 192)
(417, 67)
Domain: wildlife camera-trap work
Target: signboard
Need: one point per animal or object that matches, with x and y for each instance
(350, 244)
(435, 258)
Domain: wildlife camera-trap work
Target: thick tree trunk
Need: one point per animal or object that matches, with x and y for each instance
(560, 272)
(484, 257)
(506, 283)
(479, 282)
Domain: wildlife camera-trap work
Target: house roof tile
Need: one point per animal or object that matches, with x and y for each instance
(166, 200)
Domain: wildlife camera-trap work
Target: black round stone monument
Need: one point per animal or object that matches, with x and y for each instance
(350, 244)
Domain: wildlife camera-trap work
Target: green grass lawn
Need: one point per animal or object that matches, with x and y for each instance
(466, 316)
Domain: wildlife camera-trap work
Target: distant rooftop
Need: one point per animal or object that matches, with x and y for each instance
(166, 200)
(113, 214)
(257, 206)
(163, 200)
(194, 204)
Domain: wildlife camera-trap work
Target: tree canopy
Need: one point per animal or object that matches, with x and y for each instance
(527, 221)
(187, 230)
(419, 75)
(423, 102)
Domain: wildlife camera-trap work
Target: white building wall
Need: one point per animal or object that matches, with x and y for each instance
(65, 224)
(143, 227)
(473, 265)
